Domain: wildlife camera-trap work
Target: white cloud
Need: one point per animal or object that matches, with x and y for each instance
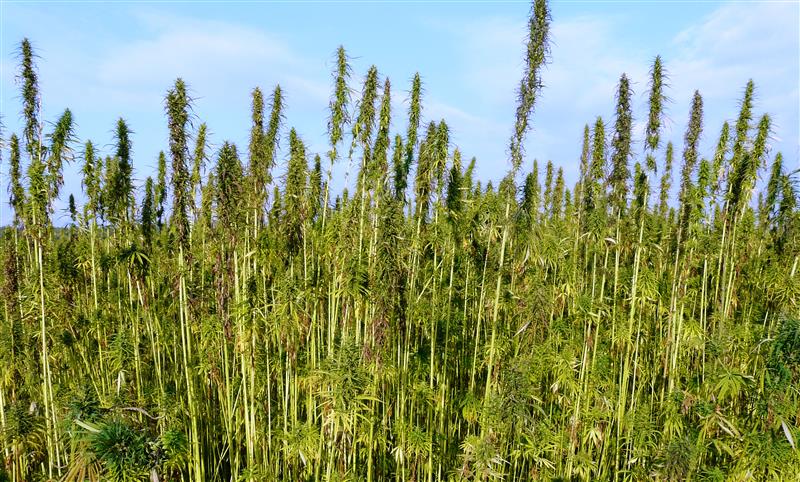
(454, 116)
(736, 31)
(214, 57)
(717, 55)
(587, 61)
(579, 84)
(735, 43)
(128, 75)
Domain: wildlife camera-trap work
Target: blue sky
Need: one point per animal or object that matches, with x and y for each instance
(106, 60)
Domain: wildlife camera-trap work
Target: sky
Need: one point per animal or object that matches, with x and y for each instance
(107, 60)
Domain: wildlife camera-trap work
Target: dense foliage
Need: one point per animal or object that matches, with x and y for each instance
(421, 326)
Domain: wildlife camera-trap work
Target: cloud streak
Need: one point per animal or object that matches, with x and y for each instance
(716, 54)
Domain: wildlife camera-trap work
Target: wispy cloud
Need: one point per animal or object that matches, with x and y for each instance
(215, 57)
(733, 44)
(716, 54)
(585, 64)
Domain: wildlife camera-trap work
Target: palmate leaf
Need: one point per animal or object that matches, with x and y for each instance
(481, 459)
(176, 450)
(730, 384)
(537, 448)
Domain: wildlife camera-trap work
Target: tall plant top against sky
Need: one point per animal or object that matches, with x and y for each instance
(104, 61)
(371, 306)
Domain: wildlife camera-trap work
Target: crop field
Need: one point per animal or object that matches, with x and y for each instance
(232, 317)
